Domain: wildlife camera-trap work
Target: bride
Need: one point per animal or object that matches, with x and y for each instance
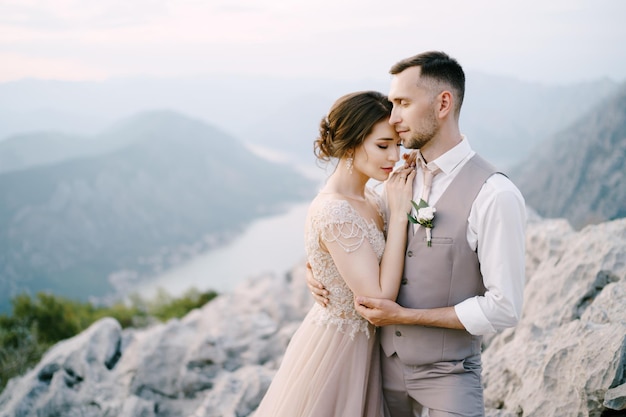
(331, 366)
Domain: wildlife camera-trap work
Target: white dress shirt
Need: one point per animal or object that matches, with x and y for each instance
(496, 229)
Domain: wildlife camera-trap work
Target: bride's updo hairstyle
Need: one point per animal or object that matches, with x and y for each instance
(349, 121)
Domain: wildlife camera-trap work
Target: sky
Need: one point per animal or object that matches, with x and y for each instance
(547, 41)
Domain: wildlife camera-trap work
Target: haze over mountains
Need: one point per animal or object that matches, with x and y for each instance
(97, 189)
(503, 117)
(580, 174)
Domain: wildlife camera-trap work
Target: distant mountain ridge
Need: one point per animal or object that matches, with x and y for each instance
(32, 149)
(502, 117)
(505, 119)
(169, 187)
(579, 173)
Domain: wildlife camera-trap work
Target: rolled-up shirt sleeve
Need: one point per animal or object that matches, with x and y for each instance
(496, 229)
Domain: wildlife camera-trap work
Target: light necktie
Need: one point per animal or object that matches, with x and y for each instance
(428, 181)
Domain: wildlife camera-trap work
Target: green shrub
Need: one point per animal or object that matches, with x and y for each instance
(38, 323)
(164, 307)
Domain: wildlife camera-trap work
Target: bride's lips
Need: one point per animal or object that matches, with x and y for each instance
(388, 170)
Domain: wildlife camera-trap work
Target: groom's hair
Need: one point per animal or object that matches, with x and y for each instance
(439, 67)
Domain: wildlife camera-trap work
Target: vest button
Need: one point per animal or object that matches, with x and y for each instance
(404, 281)
(409, 253)
(398, 333)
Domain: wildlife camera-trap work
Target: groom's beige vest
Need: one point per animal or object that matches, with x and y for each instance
(441, 275)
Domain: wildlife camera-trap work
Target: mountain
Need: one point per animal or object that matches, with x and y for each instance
(163, 188)
(31, 149)
(503, 117)
(579, 173)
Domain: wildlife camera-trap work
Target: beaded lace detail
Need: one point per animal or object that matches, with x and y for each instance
(335, 220)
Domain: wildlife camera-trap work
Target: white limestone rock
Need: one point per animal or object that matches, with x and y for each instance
(216, 360)
(73, 378)
(567, 356)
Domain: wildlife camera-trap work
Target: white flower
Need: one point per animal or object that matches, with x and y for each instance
(425, 216)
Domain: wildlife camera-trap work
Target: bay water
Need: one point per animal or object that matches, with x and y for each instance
(269, 245)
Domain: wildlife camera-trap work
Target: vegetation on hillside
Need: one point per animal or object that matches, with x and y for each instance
(36, 323)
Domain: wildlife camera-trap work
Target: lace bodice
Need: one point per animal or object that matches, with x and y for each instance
(335, 220)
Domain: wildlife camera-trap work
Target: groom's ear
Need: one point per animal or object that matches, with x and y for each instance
(446, 103)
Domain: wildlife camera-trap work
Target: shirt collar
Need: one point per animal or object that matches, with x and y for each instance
(451, 159)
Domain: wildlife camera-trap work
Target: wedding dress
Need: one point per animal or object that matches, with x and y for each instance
(331, 367)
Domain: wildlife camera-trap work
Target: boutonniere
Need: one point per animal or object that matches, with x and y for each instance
(425, 216)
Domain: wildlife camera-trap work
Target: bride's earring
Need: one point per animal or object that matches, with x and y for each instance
(349, 162)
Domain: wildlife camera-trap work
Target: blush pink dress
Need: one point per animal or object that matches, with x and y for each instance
(331, 367)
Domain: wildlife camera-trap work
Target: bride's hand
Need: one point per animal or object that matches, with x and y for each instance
(399, 189)
(410, 159)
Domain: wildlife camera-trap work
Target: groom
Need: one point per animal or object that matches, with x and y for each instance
(469, 281)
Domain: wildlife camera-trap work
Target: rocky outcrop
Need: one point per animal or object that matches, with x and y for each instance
(216, 361)
(567, 356)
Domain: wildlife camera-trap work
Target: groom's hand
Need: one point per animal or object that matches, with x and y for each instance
(378, 311)
(316, 288)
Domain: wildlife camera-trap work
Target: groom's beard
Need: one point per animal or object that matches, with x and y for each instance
(421, 137)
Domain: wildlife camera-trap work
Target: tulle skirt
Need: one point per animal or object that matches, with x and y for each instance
(326, 373)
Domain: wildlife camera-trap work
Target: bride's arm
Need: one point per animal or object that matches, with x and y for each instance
(359, 266)
(399, 190)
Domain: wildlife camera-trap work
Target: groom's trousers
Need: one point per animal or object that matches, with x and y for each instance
(446, 389)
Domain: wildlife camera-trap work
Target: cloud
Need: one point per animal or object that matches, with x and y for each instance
(69, 14)
(532, 39)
